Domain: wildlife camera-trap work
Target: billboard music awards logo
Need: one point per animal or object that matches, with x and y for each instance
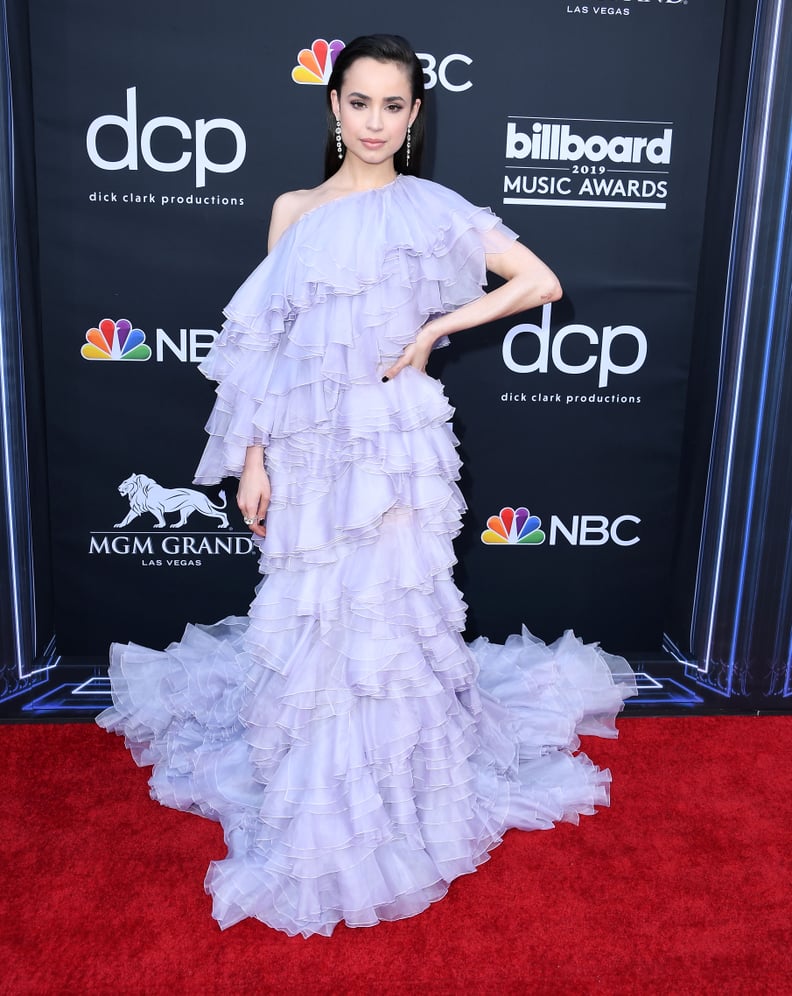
(587, 162)
(118, 340)
(170, 508)
(517, 527)
(197, 151)
(315, 64)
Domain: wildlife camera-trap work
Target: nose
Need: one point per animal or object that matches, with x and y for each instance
(375, 119)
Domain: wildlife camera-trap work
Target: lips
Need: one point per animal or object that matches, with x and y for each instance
(372, 143)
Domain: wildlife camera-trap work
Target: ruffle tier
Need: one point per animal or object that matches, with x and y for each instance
(341, 805)
(358, 754)
(331, 308)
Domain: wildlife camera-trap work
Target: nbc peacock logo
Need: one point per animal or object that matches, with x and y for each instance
(315, 64)
(115, 340)
(513, 527)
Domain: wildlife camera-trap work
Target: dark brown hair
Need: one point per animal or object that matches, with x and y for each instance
(383, 48)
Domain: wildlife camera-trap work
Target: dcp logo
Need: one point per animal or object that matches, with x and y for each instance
(552, 349)
(141, 146)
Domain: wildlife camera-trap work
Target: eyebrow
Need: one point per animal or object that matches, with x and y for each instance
(364, 96)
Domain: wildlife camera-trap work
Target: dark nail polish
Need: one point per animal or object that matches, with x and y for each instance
(384, 380)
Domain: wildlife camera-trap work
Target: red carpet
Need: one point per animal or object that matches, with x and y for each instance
(683, 886)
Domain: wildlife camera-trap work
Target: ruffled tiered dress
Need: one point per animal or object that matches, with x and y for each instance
(358, 754)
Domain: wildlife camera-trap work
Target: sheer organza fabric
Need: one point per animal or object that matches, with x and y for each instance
(357, 752)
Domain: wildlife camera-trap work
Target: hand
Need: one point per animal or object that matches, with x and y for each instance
(415, 355)
(253, 497)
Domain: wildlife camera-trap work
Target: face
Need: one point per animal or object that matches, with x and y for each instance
(375, 109)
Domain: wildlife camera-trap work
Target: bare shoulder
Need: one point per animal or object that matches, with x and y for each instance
(290, 207)
(285, 211)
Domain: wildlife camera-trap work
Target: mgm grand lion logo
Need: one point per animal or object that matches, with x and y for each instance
(145, 495)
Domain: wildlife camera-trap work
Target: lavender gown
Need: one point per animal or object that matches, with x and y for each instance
(358, 754)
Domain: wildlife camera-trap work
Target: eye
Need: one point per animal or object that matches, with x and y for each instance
(357, 104)
(395, 107)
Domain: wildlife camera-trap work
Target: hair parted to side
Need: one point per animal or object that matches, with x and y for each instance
(383, 48)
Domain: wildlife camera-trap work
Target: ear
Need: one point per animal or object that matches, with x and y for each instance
(334, 104)
(415, 108)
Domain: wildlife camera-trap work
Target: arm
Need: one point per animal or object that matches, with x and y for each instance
(253, 493)
(529, 283)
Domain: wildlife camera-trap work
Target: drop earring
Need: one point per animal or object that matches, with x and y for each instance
(407, 162)
(339, 146)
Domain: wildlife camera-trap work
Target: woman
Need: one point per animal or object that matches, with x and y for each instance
(359, 755)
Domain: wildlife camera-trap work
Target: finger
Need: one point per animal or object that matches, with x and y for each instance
(253, 506)
(256, 525)
(391, 372)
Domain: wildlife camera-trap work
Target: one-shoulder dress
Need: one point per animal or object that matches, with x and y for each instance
(357, 752)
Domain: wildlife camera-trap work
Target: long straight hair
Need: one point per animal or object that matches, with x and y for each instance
(383, 48)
